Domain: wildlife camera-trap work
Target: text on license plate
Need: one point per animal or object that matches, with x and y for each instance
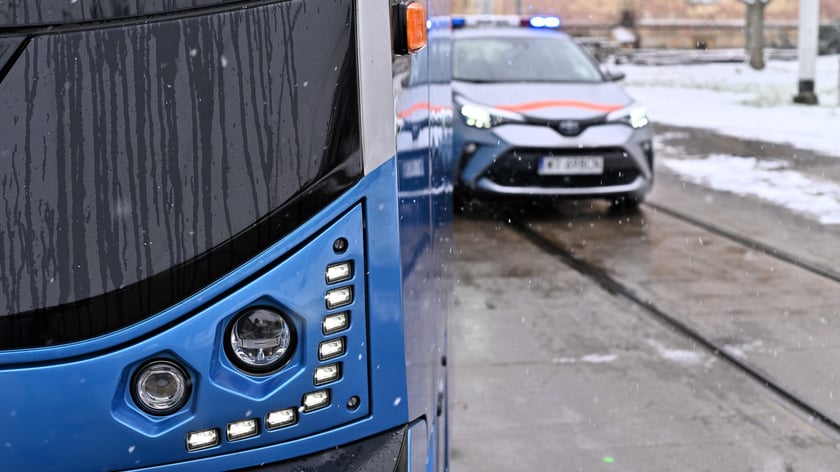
(576, 165)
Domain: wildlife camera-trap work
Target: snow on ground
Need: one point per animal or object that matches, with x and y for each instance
(768, 180)
(734, 99)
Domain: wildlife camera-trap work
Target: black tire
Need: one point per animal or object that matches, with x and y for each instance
(626, 202)
(462, 202)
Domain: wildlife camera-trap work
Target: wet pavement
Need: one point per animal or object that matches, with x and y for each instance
(551, 372)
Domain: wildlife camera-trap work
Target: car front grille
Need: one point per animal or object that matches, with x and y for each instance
(518, 168)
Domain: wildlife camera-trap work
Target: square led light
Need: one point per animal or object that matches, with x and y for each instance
(339, 272)
(327, 374)
(280, 418)
(202, 439)
(339, 297)
(330, 349)
(242, 429)
(316, 400)
(335, 323)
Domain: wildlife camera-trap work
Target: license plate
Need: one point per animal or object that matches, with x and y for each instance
(574, 165)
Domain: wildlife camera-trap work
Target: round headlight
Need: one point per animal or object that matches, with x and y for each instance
(161, 387)
(260, 340)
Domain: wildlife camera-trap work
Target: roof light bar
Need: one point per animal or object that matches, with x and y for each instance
(544, 22)
(477, 21)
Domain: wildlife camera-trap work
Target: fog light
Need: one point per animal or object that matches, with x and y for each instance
(161, 387)
(339, 272)
(339, 297)
(260, 340)
(242, 429)
(327, 374)
(280, 418)
(330, 349)
(202, 439)
(470, 149)
(335, 323)
(316, 400)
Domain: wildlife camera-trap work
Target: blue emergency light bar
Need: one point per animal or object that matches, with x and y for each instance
(551, 22)
(478, 21)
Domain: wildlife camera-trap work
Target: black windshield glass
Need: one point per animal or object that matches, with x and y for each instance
(22, 13)
(139, 161)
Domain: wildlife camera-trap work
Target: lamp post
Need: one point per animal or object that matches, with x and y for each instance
(809, 20)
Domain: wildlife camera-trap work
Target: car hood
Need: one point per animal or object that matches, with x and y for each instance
(548, 101)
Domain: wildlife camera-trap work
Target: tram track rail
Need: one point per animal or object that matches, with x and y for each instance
(776, 389)
(750, 243)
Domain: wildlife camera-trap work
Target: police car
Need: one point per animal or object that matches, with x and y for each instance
(536, 116)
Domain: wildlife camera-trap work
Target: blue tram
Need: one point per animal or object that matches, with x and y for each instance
(224, 234)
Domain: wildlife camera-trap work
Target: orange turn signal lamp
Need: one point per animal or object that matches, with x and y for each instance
(410, 29)
(415, 31)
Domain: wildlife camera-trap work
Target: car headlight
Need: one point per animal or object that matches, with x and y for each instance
(634, 115)
(482, 117)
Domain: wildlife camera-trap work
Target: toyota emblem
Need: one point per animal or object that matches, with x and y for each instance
(569, 127)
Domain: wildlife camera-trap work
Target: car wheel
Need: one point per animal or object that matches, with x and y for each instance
(626, 201)
(462, 202)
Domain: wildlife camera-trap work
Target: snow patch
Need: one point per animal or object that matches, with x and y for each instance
(679, 356)
(735, 100)
(768, 180)
(599, 358)
(589, 358)
(740, 350)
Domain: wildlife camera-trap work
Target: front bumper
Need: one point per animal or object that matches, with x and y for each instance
(383, 452)
(504, 161)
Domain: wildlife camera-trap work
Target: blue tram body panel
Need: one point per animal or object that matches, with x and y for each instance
(167, 167)
(79, 415)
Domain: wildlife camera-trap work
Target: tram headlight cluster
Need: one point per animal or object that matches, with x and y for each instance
(261, 340)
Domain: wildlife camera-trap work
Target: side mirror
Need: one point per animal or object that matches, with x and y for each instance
(615, 76)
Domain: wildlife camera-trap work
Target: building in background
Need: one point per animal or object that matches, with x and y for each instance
(664, 23)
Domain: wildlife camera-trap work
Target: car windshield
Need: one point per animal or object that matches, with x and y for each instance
(520, 59)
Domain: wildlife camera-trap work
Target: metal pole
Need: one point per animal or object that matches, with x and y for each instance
(809, 20)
